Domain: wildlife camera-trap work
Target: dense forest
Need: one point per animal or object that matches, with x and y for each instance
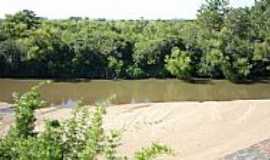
(223, 42)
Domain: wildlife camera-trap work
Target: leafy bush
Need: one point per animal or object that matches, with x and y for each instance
(79, 138)
(179, 64)
(135, 72)
(115, 65)
(152, 152)
(237, 70)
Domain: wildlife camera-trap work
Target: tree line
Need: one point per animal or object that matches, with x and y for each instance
(222, 42)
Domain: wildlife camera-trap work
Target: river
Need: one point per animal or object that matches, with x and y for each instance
(136, 91)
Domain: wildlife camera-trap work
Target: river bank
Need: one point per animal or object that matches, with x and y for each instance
(196, 131)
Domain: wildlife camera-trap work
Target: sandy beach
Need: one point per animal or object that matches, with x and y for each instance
(196, 131)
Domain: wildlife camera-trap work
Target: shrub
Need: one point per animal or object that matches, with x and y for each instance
(24, 108)
(79, 138)
(179, 64)
(152, 152)
(135, 72)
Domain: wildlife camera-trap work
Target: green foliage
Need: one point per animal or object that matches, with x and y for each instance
(24, 108)
(152, 152)
(81, 48)
(135, 72)
(211, 14)
(11, 56)
(260, 19)
(112, 142)
(179, 64)
(81, 137)
(238, 22)
(115, 65)
(20, 24)
(95, 136)
(212, 63)
(262, 51)
(238, 70)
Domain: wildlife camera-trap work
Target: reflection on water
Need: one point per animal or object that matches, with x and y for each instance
(124, 91)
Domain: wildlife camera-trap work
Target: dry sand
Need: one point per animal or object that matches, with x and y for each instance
(196, 131)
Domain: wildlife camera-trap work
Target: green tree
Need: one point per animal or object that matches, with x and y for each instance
(12, 56)
(83, 48)
(150, 54)
(47, 54)
(179, 64)
(211, 63)
(134, 71)
(20, 24)
(211, 14)
(238, 57)
(238, 22)
(260, 22)
(115, 65)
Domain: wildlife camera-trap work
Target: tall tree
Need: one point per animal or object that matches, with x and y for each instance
(211, 14)
(19, 25)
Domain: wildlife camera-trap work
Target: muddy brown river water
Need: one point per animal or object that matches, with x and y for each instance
(137, 91)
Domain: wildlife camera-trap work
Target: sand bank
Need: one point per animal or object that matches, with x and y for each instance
(196, 131)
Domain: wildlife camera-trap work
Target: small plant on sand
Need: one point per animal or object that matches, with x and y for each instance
(79, 138)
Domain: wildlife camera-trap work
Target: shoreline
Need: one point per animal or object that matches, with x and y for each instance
(192, 80)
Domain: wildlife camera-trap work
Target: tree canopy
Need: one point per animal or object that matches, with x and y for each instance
(223, 42)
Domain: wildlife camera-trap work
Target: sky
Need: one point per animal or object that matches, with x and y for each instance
(110, 9)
